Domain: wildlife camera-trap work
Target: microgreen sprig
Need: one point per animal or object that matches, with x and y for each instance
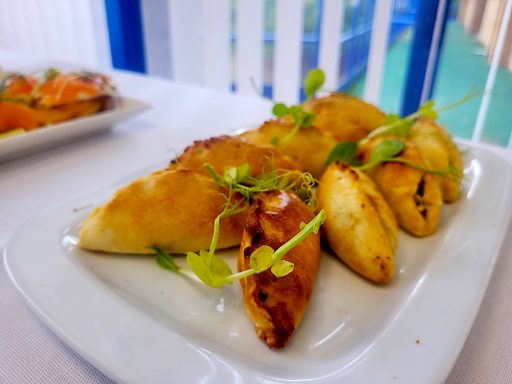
(219, 274)
(238, 180)
(401, 126)
(241, 187)
(266, 257)
(302, 119)
(387, 151)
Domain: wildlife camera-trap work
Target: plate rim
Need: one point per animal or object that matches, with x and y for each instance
(53, 135)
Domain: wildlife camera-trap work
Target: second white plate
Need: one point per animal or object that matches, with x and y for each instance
(141, 324)
(67, 131)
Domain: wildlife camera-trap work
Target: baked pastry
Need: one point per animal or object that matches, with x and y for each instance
(228, 151)
(276, 305)
(309, 146)
(173, 209)
(439, 151)
(346, 118)
(359, 227)
(414, 195)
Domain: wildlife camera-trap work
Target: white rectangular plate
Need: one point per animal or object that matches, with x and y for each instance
(141, 324)
(58, 134)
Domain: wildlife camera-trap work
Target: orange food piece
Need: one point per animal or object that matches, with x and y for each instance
(14, 115)
(69, 88)
(30, 102)
(19, 87)
(69, 111)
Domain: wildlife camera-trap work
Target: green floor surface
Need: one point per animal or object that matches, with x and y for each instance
(462, 68)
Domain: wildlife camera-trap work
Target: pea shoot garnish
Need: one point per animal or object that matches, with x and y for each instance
(302, 119)
(241, 187)
(389, 150)
(401, 126)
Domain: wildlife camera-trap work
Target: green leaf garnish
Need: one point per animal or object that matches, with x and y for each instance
(165, 260)
(302, 119)
(313, 82)
(384, 151)
(210, 271)
(345, 153)
(282, 268)
(50, 74)
(280, 110)
(261, 258)
(396, 126)
(387, 151)
(427, 110)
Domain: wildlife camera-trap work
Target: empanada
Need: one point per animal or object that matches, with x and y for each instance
(172, 209)
(359, 227)
(346, 118)
(227, 151)
(440, 153)
(413, 195)
(309, 146)
(276, 305)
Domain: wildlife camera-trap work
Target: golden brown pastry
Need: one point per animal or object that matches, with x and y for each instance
(359, 227)
(173, 210)
(440, 153)
(309, 146)
(227, 151)
(344, 117)
(413, 195)
(277, 305)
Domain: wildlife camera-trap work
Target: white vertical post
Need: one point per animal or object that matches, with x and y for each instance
(100, 31)
(5, 41)
(434, 52)
(217, 52)
(186, 40)
(288, 50)
(33, 26)
(51, 28)
(329, 51)
(491, 77)
(21, 33)
(249, 48)
(67, 50)
(83, 32)
(378, 48)
(155, 25)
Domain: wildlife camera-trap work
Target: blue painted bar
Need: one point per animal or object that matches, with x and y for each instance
(355, 39)
(418, 57)
(126, 36)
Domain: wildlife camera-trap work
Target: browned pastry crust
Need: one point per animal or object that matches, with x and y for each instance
(413, 195)
(227, 151)
(277, 305)
(77, 109)
(173, 210)
(359, 226)
(309, 146)
(440, 153)
(344, 117)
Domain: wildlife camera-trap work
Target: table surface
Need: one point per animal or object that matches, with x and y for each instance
(31, 353)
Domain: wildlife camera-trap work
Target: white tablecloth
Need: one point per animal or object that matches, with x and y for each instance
(31, 353)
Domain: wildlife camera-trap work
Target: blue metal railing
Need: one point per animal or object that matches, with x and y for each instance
(127, 46)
